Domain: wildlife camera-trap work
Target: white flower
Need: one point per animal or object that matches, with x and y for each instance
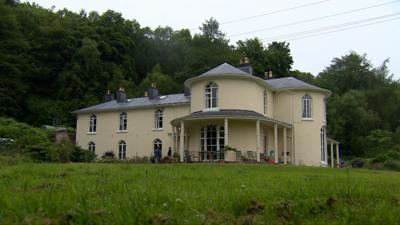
(165, 205)
(178, 200)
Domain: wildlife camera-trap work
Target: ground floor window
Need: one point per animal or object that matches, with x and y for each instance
(212, 142)
(122, 150)
(92, 146)
(323, 144)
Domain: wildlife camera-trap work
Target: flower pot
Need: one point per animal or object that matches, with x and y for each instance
(230, 156)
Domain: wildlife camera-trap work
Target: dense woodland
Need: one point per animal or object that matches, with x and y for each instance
(53, 62)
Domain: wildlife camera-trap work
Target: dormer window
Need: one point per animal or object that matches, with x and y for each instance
(307, 106)
(123, 121)
(211, 95)
(158, 119)
(92, 124)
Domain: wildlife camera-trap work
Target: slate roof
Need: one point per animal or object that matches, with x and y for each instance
(142, 102)
(224, 68)
(291, 83)
(229, 113)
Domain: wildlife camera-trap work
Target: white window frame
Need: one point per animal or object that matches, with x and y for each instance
(92, 146)
(92, 124)
(123, 121)
(324, 157)
(204, 140)
(211, 96)
(122, 149)
(306, 111)
(158, 119)
(157, 143)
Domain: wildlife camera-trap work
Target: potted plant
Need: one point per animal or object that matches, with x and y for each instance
(230, 154)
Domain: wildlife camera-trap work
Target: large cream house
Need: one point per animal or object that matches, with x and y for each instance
(280, 120)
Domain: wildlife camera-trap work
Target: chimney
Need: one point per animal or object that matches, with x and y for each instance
(265, 75)
(270, 74)
(108, 96)
(153, 91)
(121, 96)
(245, 65)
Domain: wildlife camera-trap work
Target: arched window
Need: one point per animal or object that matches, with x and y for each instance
(157, 144)
(158, 119)
(307, 106)
(92, 146)
(122, 149)
(323, 144)
(211, 95)
(123, 121)
(265, 102)
(92, 123)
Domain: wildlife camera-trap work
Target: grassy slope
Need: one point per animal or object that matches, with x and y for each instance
(196, 194)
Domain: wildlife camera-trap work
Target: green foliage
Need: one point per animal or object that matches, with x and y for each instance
(82, 155)
(164, 83)
(380, 158)
(378, 141)
(392, 164)
(34, 142)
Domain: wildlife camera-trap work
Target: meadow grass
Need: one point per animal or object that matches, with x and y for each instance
(196, 194)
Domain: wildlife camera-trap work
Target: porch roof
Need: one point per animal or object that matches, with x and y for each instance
(229, 114)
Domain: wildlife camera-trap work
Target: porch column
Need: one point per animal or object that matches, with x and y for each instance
(173, 138)
(226, 132)
(284, 146)
(326, 148)
(258, 140)
(276, 142)
(337, 154)
(332, 156)
(182, 140)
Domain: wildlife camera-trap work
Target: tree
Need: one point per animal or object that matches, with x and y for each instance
(211, 30)
(164, 83)
(255, 51)
(278, 58)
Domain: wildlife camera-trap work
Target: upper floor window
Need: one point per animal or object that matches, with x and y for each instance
(123, 121)
(122, 149)
(92, 146)
(307, 106)
(265, 102)
(92, 123)
(211, 95)
(158, 119)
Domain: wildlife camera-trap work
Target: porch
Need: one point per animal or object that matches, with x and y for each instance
(232, 135)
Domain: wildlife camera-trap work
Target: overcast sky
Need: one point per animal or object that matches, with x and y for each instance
(312, 54)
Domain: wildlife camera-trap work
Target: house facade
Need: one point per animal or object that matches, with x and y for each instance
(280, 120)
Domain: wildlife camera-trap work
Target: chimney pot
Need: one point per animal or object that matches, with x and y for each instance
(270, 74)
(146, 94)
(108, 96)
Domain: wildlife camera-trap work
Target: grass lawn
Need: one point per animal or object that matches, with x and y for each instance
(196, 194)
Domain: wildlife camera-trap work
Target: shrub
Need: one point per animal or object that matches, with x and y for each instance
(82, 155)
(30, 141)
(108, 155)
(392, 164)
(380, 158)
(394, 155)
(357, 163)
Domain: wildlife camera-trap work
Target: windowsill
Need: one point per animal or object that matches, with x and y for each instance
(91, 133)
(211, 110)
(307, 119)
(158, 129)
(122, 131)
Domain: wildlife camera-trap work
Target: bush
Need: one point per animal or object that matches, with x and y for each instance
(82, 155)
(394, 155)
(380, 158)
(30, 141)
(108, 155)
(392, 164)
(357, 163)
